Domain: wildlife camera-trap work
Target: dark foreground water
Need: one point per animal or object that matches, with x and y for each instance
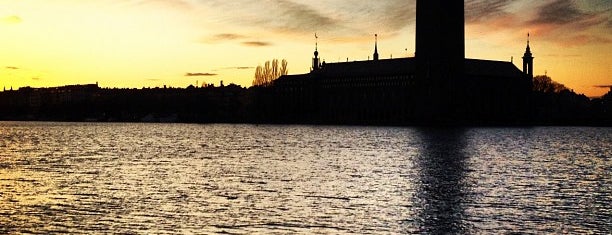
(243, 179)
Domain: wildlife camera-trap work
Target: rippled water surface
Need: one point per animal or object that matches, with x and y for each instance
(243, 179)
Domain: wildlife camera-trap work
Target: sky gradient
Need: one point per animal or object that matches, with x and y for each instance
(149, 43)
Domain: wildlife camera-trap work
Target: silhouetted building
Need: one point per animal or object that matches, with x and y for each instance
(439, 85)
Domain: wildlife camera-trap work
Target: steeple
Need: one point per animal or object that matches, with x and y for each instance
(528, 60)
(375, 46)
(316, 65)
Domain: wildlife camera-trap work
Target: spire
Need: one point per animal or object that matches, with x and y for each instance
(528, 60)
(528, 50)
(315, 61)
(375, 46)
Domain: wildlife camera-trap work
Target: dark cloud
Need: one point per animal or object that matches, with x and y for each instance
(603, 86)
(559, 12)
(153, 80)
(36, 78)
(223, 37)
(484, 10)
(298, 17)
(391, 15)
(256, 44)
(272, 15)
(230, 37)
(200, 74)
(11, 67)
(566, 23)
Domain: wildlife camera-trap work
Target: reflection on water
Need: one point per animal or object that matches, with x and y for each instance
(442, 192)
(240, 179)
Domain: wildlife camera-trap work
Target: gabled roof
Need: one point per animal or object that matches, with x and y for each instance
(491, 68)
(370, 68)
(403, 66)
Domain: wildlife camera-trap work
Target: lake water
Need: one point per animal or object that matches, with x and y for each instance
(244, 179)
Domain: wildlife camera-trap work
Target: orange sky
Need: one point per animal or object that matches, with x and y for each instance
(148, 43)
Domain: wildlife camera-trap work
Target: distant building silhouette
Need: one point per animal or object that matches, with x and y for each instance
(438, 85)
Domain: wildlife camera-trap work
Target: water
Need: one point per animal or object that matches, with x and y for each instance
(244, 179)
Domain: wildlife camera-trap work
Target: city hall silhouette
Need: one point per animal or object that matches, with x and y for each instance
(437, 86)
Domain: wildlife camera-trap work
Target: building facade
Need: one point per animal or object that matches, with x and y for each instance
(438, 85)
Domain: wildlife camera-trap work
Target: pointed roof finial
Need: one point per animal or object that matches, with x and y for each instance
(376, 43)
(528, 49)
(316, 42)
(375, 46)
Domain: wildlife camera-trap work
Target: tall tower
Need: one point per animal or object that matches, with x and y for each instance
(375, 46)
(440, 39)
(528, 61)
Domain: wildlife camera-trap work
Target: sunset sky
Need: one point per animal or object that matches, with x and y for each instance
(149, 43)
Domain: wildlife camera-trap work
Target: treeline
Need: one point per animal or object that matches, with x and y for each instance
(555, 104)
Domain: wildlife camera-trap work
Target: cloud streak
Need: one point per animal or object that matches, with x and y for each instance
(256, 44)
(565, 23)
(224, 37)
(484, 10)
(559, 12)
(200, 74)
(562, 22)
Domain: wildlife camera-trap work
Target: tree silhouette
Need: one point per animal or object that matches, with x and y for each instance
(543, 83)
(270, 71)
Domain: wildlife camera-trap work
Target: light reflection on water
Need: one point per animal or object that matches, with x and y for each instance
(178, 178)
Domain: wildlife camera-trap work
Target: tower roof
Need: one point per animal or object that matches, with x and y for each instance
(375, 46)
(528, 49)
